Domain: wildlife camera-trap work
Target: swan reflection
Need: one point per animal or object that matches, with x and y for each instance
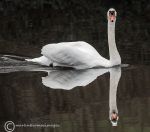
(115, 74)
(68, 79)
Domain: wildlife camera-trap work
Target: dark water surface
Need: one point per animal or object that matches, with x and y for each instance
(76, 101)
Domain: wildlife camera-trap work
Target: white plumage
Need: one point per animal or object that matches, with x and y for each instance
(79, 55)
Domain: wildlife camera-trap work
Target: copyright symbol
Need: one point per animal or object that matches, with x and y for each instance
(9, 126)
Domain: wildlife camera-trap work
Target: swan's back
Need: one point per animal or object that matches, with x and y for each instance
(73, 54)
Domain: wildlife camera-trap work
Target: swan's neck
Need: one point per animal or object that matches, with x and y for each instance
(113, 52)
(115, 75)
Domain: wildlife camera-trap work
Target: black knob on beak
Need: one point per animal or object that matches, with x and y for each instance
(111, 13)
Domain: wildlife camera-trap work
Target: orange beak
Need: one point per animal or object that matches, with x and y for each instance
(114, 116)
(112, 18)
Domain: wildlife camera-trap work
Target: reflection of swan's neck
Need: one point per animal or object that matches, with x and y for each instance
(115, 74)
(113, 52)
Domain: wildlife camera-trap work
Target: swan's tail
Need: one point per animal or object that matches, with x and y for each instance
(40, 60)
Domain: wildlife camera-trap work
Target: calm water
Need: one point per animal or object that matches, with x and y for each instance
(76, 101)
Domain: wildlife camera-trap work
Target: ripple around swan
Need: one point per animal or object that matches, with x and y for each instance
(13, 63)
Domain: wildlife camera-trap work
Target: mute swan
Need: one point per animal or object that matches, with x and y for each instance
(81, 55)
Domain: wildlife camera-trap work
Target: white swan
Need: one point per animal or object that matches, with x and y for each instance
(81, 55)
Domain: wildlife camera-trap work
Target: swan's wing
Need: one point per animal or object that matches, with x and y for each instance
(72, 54)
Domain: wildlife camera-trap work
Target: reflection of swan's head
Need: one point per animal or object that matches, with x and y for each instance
(111, 15)
(114, 118)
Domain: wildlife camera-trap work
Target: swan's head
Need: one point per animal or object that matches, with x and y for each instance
(114, 119)
(111, 15)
